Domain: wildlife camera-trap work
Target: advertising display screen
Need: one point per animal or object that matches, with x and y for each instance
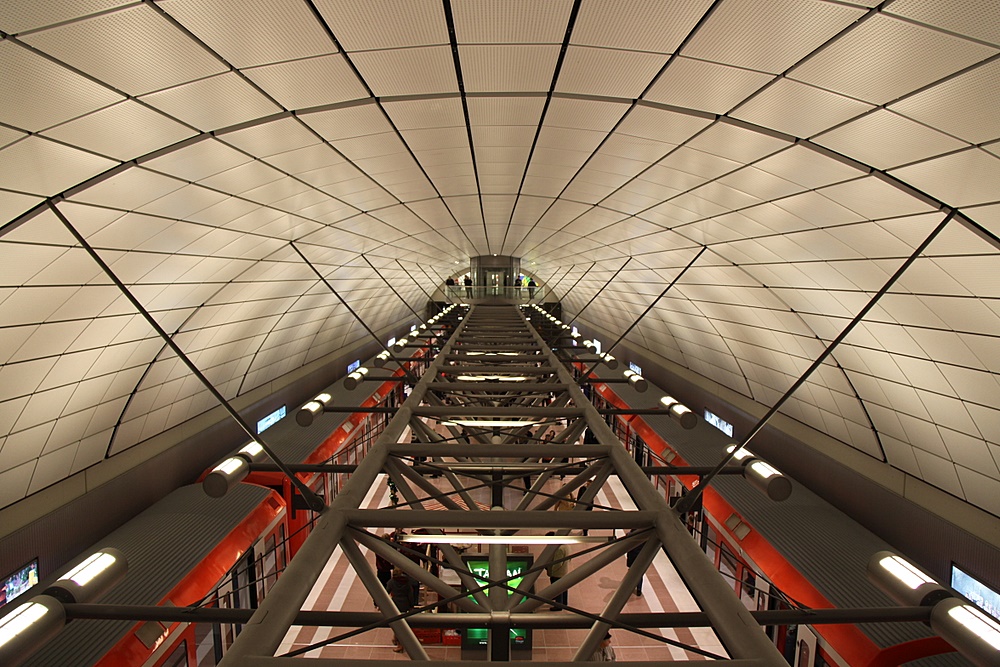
(18, 582)
(975, 591)
(479, 566)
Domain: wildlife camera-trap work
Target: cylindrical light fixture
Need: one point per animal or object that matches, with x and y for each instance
(29, 627)
(381, 358)
(768, 480)
(744, 455)
(400, 345)
(679, 412)
(253, 452)
(975, 634)
(92, 578)
(308, 412)
(637, 381)
(225, 475)
(609, 361)
(352, 381)
(903, 581)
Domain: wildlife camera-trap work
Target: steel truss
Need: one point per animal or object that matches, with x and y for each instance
(478, 419)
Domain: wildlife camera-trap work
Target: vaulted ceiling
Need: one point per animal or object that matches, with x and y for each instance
(220, 156)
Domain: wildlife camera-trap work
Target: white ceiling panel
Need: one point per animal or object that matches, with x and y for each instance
(425, 114)
(13, 204)
(736, 143)
(48, 94)
(976, 18)
(656, 124)
(797, 109)
(976, 93)
(963, 178)
(883, 58)
(807, 167)
(253, 32)
(301, 84)
(265, 140)
(408, 71)
(39, 166)
(768, 35)
(878, 139)
(122, 131)
(17, 18)
(874, 198)
(511, 21)
(134, 49)
(245, 177)
(213, 103)
(129, 189)
(501, 69)
(589, 71)
(198, 161)
(385, 24)
(705, 86)
(505, 110)
(637, 24)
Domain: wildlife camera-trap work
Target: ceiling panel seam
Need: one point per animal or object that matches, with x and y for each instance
(567, 36)
(687, 38)
(456, 58)
(379, 103)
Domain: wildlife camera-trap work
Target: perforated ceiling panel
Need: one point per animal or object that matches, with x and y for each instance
(222, 157)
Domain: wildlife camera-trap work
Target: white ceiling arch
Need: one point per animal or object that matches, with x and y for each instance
(810, 145)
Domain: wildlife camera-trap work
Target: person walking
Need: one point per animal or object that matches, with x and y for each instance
(557, 569)
(468, 286)
(531, 288)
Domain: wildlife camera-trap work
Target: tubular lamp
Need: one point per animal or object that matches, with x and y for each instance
(307, 413)
(768, 480)
(744, 455)
(92, 578)
(253, 451)
(29, 627)
(637, 381)
(975, 634)
(225, 475)
(381, 358)
(610, 361)
(352, 381)
(400, 344)
(903, 581)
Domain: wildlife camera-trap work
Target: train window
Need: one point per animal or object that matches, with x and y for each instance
(178, 657)
(270, 563)
(727, 561)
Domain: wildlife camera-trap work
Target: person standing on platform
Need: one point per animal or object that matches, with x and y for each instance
(557, 569)
(531, 288)
(468, 286)
(405, 593)
(630, 557)
(605, 652)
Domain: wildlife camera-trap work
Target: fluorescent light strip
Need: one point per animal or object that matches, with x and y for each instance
(488, 422)
(503, 539)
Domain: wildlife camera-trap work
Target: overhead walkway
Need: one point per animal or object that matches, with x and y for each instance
(479, 416)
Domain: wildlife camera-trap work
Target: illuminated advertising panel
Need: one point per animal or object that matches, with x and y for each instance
(479, 566)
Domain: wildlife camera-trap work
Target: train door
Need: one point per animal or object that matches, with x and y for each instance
(763, 603)
(805, 647)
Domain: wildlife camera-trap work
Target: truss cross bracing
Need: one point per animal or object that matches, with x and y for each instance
(498, 409)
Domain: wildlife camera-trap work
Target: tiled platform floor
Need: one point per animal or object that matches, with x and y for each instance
(339, 589)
